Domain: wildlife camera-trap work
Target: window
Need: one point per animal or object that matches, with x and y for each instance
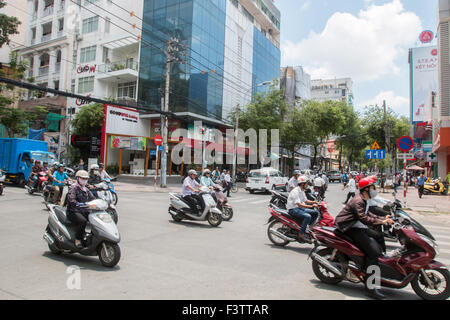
(85, 84)
(126, 90)
(90, 25)
(72, 86)
(88, 54)
(107, 25)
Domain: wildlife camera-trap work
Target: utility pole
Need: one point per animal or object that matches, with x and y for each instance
(387, 132)
(235, 142)
(173, 53)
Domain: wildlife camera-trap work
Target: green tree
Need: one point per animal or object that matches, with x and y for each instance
(8, 26)
(88, 120)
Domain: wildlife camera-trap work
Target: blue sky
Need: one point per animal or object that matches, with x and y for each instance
(366, 40)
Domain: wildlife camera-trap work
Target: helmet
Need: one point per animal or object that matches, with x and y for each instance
(37, 162)
(192, 172)
(82, 174)
(296, 172)
(55, 164)
(365, 182)
(302, 179)
(206, 171)
(94, 167)
(60, 165)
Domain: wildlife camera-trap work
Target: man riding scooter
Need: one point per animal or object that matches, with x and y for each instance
(356, 222)
(59, 180)
(189, 192)
(300, 207)
(35, 169)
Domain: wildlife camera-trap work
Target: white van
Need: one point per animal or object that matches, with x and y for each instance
(265, 179)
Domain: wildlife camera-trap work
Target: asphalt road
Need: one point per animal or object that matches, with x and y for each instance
(162, 259)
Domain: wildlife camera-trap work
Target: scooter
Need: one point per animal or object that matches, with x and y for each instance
(435, 187)
(284, 228)
(42, 182)
(101, 234)
(49, 192)
(180, 210)
(341, 260)
(104, 192)
(2, 181)
(222, 203)
(111, 189)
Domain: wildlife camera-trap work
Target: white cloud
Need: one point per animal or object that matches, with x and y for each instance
(397, 103)
(363, 47)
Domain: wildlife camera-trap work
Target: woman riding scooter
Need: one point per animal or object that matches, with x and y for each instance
(356, 221)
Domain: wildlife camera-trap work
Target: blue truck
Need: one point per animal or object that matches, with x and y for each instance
(17, 156)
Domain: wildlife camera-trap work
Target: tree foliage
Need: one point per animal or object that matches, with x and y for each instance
(8, 26)
(88, 120)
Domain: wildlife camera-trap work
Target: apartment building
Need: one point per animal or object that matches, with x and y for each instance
(333, 89)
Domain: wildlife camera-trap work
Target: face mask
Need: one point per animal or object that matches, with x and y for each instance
(373, 193)
(82, 182)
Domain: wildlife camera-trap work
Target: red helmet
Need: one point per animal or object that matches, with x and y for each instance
(366, 182)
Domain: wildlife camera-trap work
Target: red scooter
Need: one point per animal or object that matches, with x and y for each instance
(342, 260)
(283, 228)
(41, 183)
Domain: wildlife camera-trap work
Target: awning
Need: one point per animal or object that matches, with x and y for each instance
(119, 43)
(415, 168)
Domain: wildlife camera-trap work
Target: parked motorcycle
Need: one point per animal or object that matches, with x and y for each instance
(222, 203)
(435, 187)
(2, 181)
(41, 184)
(180, 210)
(101, 238)
(341, 260)
(284, 228)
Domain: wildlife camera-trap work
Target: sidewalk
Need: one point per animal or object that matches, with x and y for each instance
(428, 205)
(133, 187)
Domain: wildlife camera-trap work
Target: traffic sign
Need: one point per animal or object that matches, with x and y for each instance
(405, 144)
(158, 140)
(375, 154)
(431, 157)
(405, 156)
(375, 146)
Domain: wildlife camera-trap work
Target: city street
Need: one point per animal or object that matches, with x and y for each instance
(162, 259)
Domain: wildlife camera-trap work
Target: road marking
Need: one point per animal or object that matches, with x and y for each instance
(438, 236)
(232, 200)
(260, 201)
(437, 227)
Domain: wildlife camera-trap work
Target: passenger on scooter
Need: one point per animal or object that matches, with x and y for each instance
(59, 179)
(293, 182)
(206, 179)
(189, 190)
(94, 178)
(102, 172)
(319, 184)
(357, 222)
(300, 207)
(77, 197)
(35, 172)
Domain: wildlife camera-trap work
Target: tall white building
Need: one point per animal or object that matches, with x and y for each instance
(16, 9)
(83, 47)
(333, 89)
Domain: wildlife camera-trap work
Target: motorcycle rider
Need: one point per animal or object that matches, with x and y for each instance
(356, 221)
(45, 167)
(77, 197)
(206, 179)
(299, 206)
(293, 182)
(59, 179)
(102, 172)
(319, 184)
(94, 178)
(35, 169)
(189, 190)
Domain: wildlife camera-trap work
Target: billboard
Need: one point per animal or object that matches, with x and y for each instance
(424, 80)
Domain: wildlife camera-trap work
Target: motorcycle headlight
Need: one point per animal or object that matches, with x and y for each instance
(105, 217)
(431, 243)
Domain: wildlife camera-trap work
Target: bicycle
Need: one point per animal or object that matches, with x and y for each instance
(234, 187)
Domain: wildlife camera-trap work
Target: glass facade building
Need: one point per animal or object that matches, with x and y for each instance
(215, 66)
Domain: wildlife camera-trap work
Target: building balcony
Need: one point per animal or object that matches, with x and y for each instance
(118, 71)
(253, 7)
(46, 38)
(60, 33)
(33, 42)
(43, 71)
(57, 67)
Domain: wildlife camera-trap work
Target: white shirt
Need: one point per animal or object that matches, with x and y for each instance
(104, 174)
(351, 185)
(227, 178)
(292, 184)
(319, 182)
(296, 196)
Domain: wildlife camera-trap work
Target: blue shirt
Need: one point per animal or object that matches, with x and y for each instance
(206, 181)
(60, 177)
(421, 181)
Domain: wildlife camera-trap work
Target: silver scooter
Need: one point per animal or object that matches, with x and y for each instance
(101, 233)
(180, 209)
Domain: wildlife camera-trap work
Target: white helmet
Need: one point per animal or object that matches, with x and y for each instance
(206, 171)
(82, 174)
(302, 179)
(192, 172)
(95, 167)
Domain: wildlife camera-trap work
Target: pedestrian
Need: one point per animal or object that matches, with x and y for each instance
(227, 183)
(406, 182)
(81, 165)
(396, 181)
(421, 183)
(351, 185)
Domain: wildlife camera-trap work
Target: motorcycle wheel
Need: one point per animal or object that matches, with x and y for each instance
(277, 225)
(214, 219)
(109, 254)
(227, 214)
(440, 277)
(113, 214)
(53, 249)
(323, 274)
(115, 198)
